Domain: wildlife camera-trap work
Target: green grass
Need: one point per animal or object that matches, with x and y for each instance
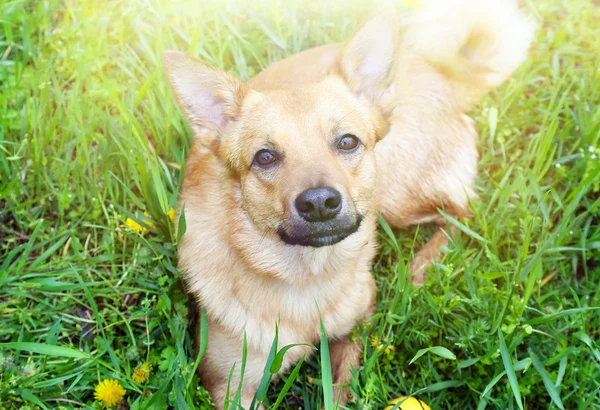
(90, 135)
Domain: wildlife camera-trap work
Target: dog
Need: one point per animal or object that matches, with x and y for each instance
(287, 174)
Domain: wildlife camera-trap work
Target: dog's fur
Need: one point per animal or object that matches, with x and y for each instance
(409, 87)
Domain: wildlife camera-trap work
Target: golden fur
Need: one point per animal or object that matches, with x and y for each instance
(405, 96)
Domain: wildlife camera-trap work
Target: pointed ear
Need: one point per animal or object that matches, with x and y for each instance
(210, 98)
(368, 61)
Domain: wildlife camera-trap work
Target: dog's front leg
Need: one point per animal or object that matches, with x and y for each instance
(218, 395)
(345, 355)
(221, 357)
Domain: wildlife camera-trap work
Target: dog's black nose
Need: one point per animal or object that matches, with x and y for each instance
(319, 204)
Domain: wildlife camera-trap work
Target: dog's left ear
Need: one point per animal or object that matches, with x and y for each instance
(368, 61)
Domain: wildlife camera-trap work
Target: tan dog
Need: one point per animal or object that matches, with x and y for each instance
(280, 187)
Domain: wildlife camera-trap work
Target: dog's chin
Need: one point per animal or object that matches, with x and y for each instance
(320, 239)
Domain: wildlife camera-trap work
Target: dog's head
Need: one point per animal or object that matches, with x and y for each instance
(304, 157)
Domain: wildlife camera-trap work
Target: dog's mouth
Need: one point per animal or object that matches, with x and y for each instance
(317, 238)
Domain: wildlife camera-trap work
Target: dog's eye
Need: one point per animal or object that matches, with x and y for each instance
(264, 158)
(348, 142)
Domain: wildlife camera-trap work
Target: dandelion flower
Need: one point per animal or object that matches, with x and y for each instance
(374, 341)
(110, 392)
(138, 227)
(141, 374)
(134, 225)
(171, 215)
(390, 349)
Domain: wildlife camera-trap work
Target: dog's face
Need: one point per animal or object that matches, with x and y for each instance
(304, 157)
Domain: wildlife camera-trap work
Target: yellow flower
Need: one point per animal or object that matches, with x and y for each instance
(171, 215)
(408, 403)
(309, 379)
(141, 373)
(110, 392)
(138, 227)
(149, 223)
(374, 341)
(134, 225)
(378, 344)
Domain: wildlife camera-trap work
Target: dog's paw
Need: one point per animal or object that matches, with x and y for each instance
(341, 397)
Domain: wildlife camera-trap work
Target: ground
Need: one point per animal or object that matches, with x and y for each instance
(90, 136)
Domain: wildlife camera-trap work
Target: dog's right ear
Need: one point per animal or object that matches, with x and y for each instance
(210, 98)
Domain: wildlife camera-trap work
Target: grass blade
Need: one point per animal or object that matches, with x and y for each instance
(510, 370)
(181, 225)
(29, 396)
(278, 360)
(261, 392)
(46, 349)
(493, 121)
(288, 383)
(388, 230)
(462, 227)
(491, 384)
(238, 394)
(548, 383)
(326, 370)
(227, 392)
(442, 386)
(203, 345)
(551, 317)
(437, 350)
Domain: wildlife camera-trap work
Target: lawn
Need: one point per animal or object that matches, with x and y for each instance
(90, 136)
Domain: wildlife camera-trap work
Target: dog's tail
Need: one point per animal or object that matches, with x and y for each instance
(477, 44)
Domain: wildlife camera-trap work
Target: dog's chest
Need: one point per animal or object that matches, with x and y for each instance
(340, 302)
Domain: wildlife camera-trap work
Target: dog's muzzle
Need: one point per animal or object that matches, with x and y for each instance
(318, 234)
